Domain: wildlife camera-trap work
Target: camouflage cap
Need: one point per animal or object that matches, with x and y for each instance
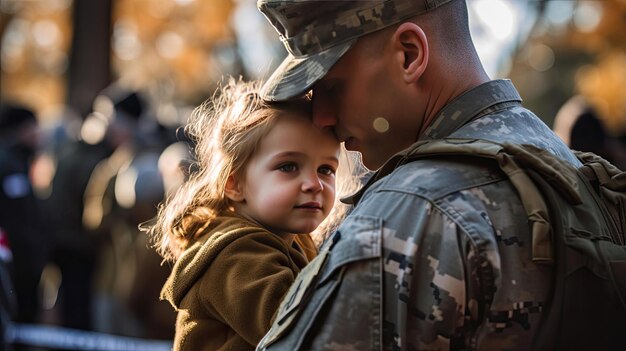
(316, 33)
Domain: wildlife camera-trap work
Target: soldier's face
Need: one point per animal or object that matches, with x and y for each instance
(363, 99)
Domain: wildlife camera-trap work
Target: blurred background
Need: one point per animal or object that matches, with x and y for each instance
(108, 83)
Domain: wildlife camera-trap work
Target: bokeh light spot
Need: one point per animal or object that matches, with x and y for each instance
(381, 125)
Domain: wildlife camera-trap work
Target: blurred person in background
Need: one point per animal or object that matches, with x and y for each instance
(580, 127)
(124, 191)
(76, 246)
(8, 302)
(594, 119)
(150, 178)
(20, 215)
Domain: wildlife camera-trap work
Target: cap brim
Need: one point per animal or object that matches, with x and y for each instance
(296, 75)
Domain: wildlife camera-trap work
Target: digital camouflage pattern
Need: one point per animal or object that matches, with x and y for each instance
(436, 255)
(317, 33)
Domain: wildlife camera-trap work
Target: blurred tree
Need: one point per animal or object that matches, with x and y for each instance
(89, 65)
(576, 47)
(36, 37)
(176, 49)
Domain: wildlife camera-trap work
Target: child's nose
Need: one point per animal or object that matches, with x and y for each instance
(312, 183)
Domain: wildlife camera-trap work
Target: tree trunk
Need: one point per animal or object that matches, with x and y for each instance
(90, 56)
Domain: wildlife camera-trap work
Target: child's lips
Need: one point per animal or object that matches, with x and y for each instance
(310, 206)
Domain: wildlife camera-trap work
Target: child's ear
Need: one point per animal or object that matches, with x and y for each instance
(233, 189)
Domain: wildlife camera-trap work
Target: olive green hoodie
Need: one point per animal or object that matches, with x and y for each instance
(228, 284)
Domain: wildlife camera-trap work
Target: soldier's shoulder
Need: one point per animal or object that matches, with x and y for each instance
(440, 176)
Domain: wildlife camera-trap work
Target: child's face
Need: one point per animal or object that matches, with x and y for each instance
(289, 183)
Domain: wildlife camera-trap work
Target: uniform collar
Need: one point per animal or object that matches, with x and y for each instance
(469, 106)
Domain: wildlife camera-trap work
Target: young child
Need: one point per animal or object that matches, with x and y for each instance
(238, 230)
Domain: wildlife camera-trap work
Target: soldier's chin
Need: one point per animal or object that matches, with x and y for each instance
(371, 163)
(351, 144)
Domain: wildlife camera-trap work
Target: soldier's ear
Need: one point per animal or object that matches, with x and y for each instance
(411, 47)
(234, 188)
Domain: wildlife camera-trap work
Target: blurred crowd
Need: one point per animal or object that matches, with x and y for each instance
(72, 197)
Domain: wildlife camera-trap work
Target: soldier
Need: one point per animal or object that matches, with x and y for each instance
(436, 255)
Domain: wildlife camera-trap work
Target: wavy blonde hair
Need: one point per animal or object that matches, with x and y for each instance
(226, 130)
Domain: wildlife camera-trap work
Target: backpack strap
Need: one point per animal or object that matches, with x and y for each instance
(610, 185)
(512, 159)
(611, 190)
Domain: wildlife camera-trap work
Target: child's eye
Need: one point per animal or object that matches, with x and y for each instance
(326, 170)
(288, 167)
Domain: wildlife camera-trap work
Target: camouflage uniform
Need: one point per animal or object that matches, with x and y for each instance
(435, 256)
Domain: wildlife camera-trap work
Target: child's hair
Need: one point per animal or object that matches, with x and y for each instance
(226, 130)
